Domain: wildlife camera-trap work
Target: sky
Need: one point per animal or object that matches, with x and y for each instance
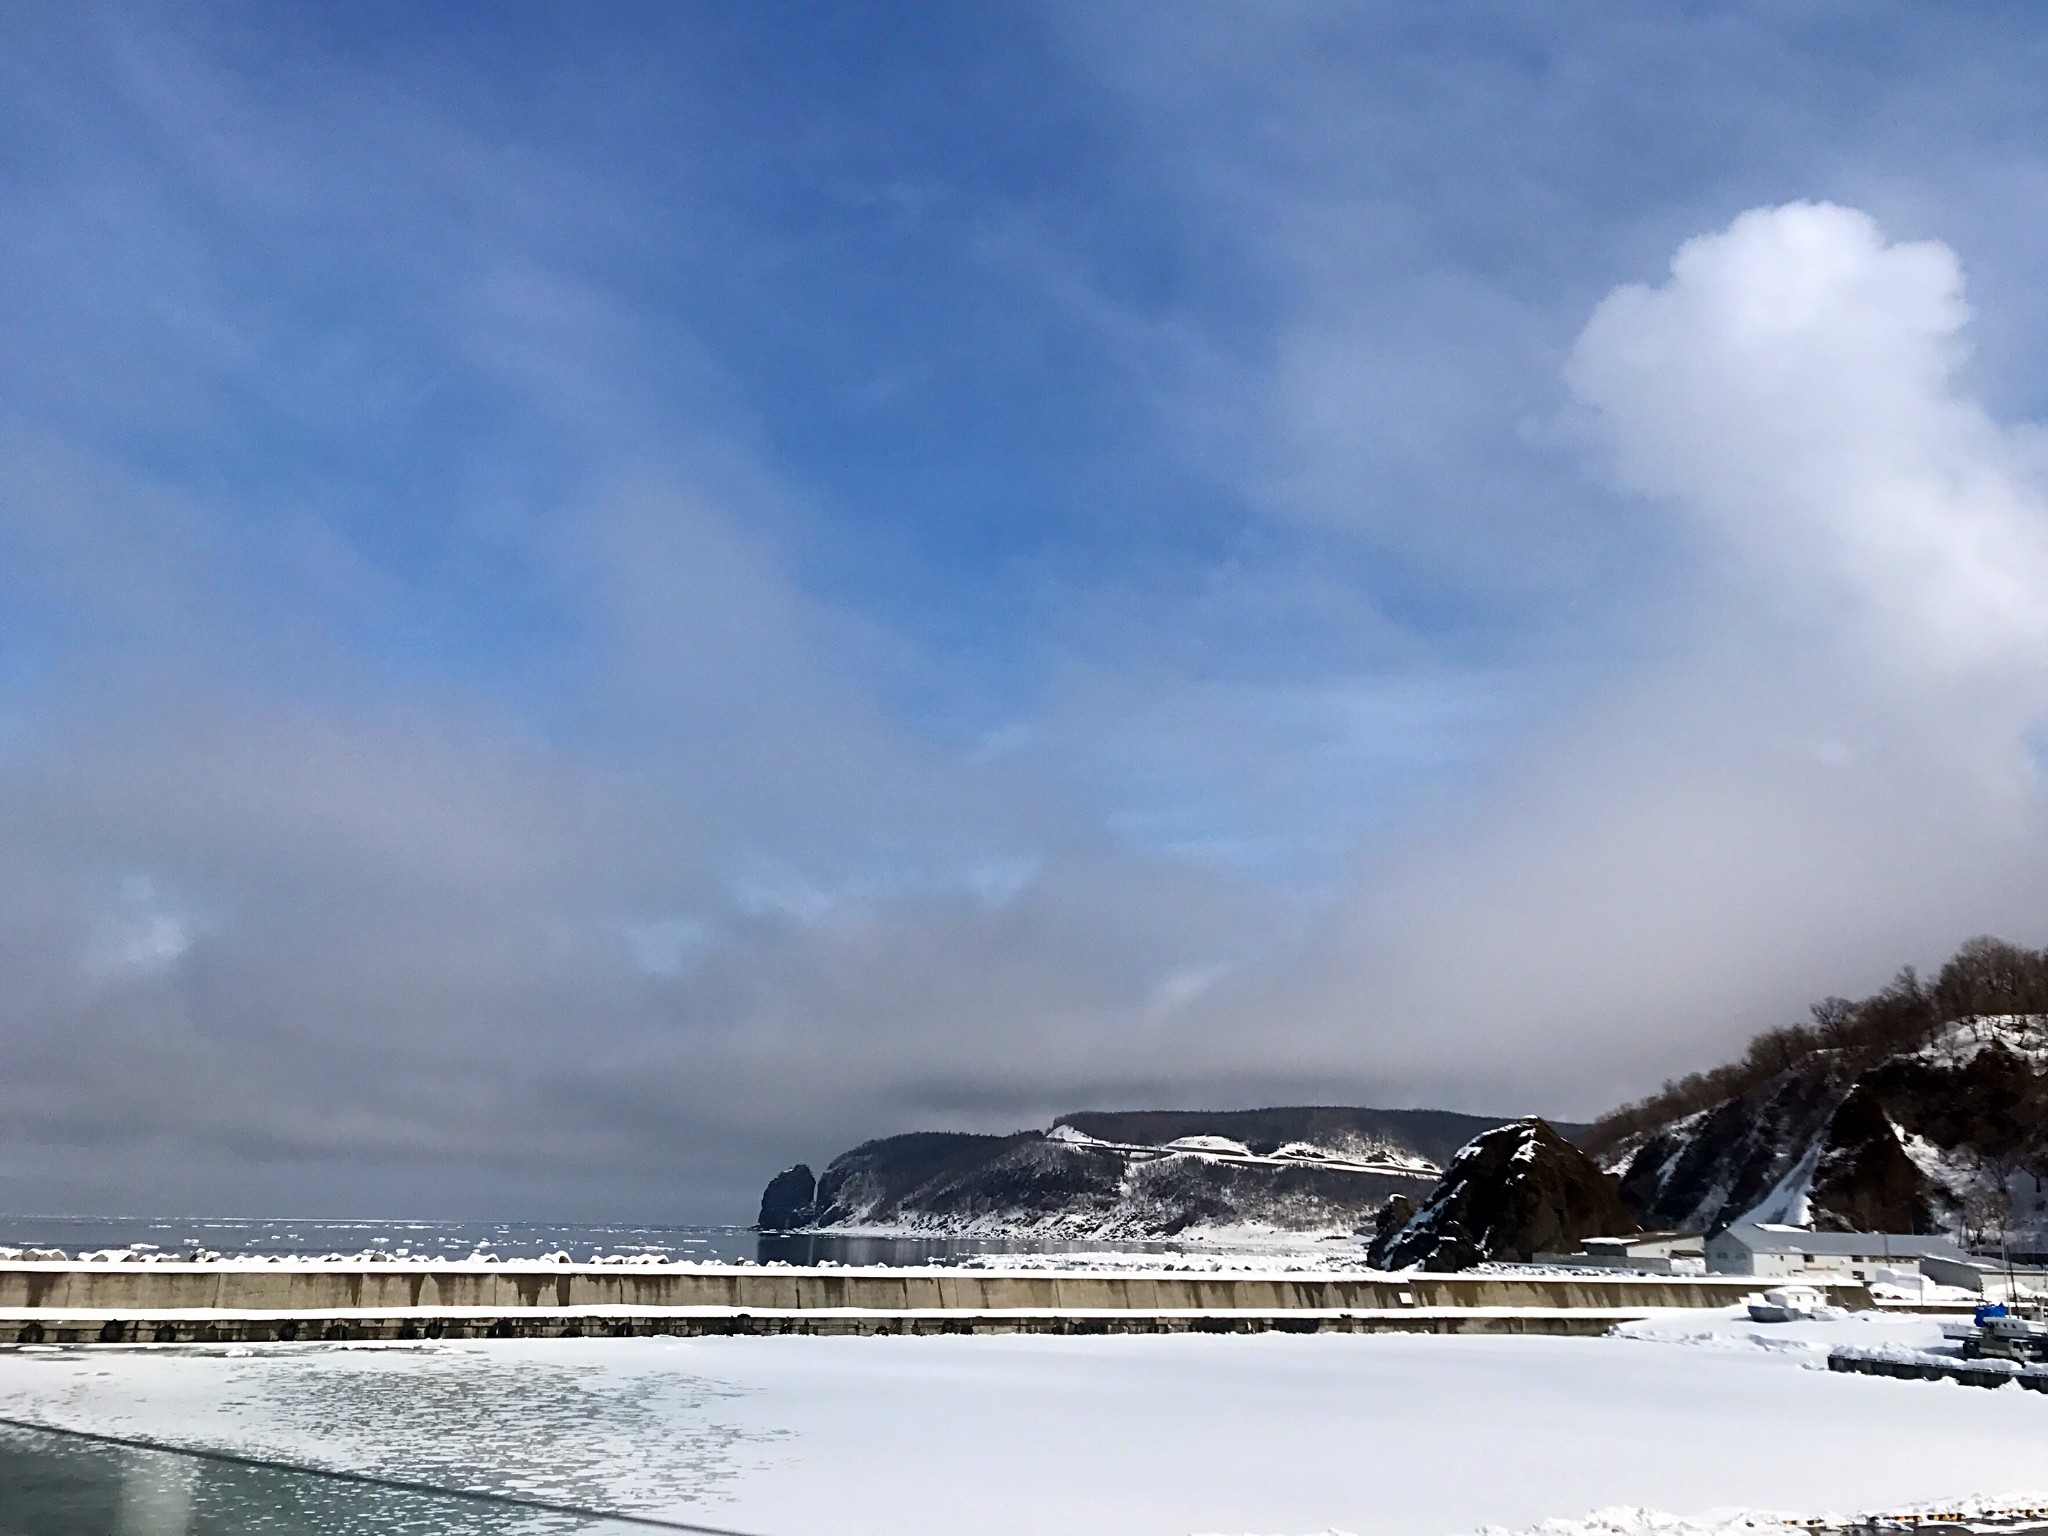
(594, 601)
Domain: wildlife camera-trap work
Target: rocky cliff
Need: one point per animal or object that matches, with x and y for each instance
(1949, 1136)
(1141, 1174)
(1515, 1191)
(1923, 1107)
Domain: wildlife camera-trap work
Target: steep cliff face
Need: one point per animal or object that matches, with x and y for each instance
(1863, 1181)
(973, 1182)
(789, 1200)
(1951, 1137)
(1743, 1155)
(1518, 1190)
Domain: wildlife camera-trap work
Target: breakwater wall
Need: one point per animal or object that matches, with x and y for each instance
(334, 1327)
(1923, 1366)
(232, 1286)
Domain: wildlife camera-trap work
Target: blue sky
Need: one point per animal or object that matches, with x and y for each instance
(595, 600)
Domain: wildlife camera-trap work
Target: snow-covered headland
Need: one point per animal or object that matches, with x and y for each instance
(1116, 1178)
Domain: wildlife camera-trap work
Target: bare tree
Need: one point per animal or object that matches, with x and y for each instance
(1987, 1210)
(1834, 1021)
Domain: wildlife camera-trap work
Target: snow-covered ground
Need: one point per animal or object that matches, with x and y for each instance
(1210, 1250)
(1691, 1413)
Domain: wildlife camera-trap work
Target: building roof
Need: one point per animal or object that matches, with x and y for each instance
(1647, 1245)
(1641, 1237)
(1773, 1237)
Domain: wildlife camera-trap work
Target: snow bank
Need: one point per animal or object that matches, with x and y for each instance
(1066, 1134)
(1221, 1144)
(1810, 1340)
(1626, 1521)
(1302, 1256)
(2025, 1035)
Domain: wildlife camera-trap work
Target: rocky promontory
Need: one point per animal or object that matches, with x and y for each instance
(1133, 1175)
(1513, 1192)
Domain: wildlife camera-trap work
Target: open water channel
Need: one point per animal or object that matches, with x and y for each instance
(62, 1485)
(54, 1484)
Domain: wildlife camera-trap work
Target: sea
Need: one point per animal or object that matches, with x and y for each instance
(62, 1483)
(249, 1237)
(58, 1482)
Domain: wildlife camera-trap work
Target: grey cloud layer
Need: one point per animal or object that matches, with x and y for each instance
(292, 916)
(1837, 759)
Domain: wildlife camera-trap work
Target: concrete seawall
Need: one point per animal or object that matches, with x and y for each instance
(161, 1327)
(53, 1291)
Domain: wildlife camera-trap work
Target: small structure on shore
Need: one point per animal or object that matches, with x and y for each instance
(1994, 1279)
(1777, 1249)
(1651, 1253)
(1788, 1304)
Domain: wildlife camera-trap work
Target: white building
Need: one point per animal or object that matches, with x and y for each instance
(1651, 1252)
(1994, 1279)
(1770, 1248)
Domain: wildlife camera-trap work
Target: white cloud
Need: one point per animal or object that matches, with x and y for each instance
(667, 946)
(667, 868)
(1175, 990)
(138, 933)
(1792, 389)
(1826, 769)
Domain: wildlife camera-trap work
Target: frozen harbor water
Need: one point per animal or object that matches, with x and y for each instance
(1401, 1435)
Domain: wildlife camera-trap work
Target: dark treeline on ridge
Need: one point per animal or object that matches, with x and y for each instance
(1985, 977)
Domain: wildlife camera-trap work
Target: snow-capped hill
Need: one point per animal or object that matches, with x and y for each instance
(1513, 1192)
(1717, 1165)
(1221, 1144)
(1948, 1135)
(2025, 1035)
(1072, 1137)
(1923, 1107)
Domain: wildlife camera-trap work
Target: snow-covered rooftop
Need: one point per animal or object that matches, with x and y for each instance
(1776, 1237)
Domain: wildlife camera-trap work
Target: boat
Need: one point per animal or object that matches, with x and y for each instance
(1787, 1304)
(1998, 1333)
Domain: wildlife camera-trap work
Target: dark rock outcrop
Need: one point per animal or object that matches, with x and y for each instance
(1988, 1100)
(878, 1180)
(1701, 1172)
(1863, 1181)
(1387, 1223)
(1024, 1178)
(1518, 1190)
(789, 1201)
